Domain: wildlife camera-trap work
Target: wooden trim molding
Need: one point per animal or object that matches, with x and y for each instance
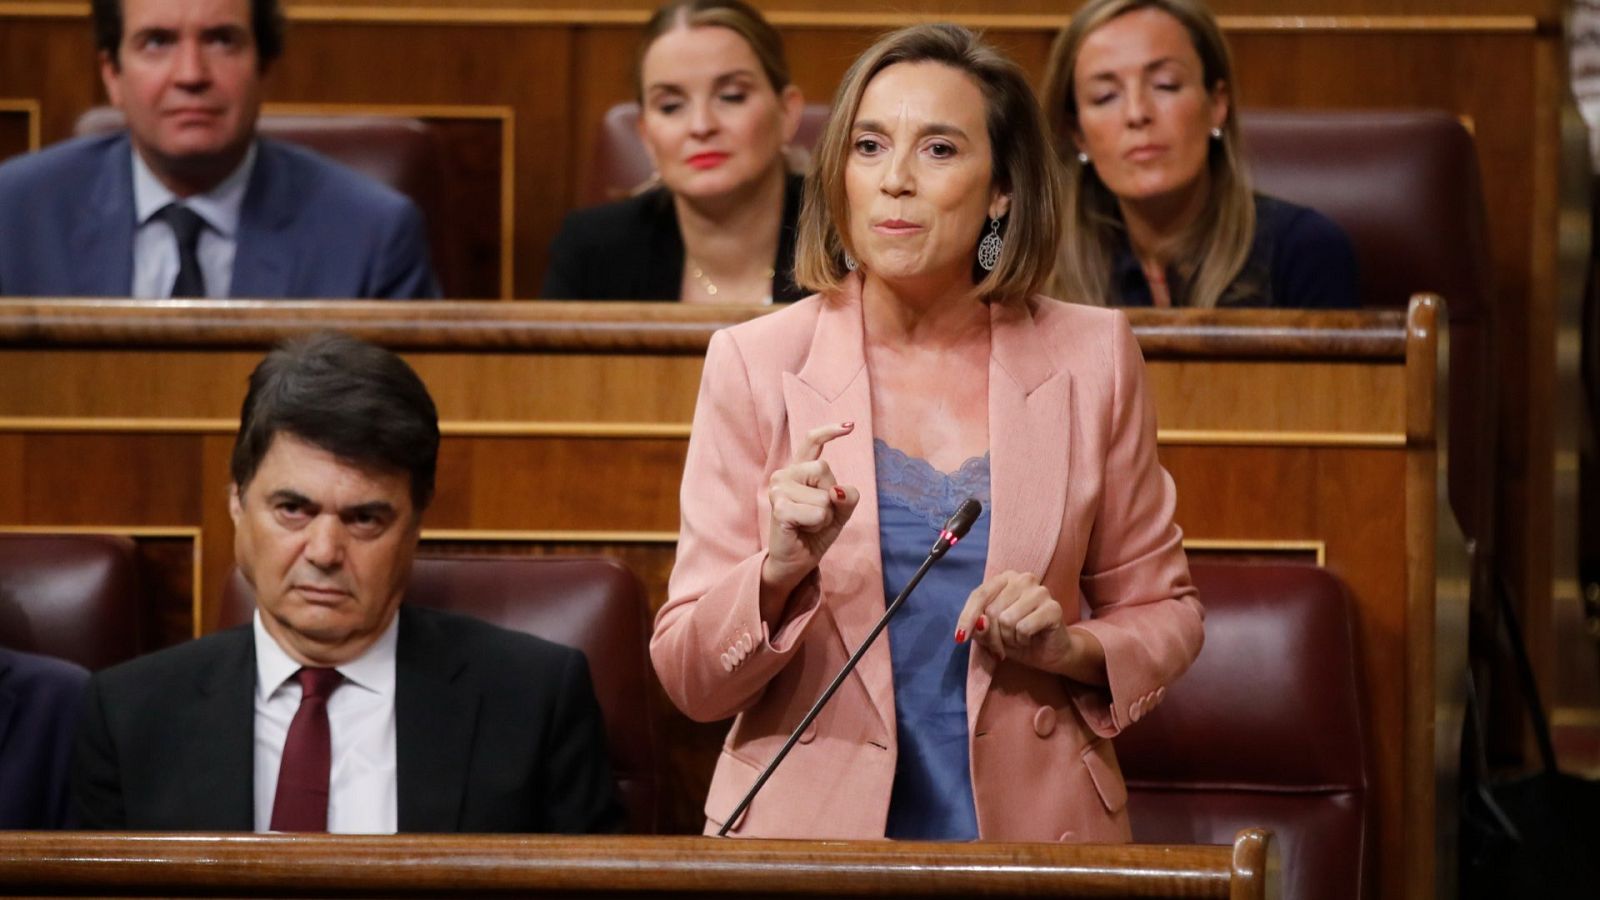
(30, 108)
(135, 425)
(568, 536)
(646, 328)
(1179, 437)
(801, 18)
(1242, 545)
(1167, 437)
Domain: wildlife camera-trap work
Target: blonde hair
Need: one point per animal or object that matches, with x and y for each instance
(1023, 163)
(1216, 246)
(734, 15)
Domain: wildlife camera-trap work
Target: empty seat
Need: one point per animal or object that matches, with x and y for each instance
(1266, 729)
(72, 596)
(1405, 186)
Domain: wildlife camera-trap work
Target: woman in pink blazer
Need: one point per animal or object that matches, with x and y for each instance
(829, 438)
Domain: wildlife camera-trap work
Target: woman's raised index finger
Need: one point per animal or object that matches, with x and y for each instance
(811, 448)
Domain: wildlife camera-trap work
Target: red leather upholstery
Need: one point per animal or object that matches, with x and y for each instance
(399, 152)
(621, 164)
(594, 604)
(76, 597)
(1266, 729)
(1405, 186)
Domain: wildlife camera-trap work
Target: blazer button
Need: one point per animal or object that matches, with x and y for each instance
(745, 643)
(1044, 721)
(1136, 710)
(1161, 694)
(727, 664)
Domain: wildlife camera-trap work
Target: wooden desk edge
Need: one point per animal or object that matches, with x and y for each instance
(656, 328)
(64, 862)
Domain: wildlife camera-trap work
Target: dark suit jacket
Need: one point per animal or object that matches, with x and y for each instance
(308, 228)
(633, 250)
(39, 702)
(495, 731)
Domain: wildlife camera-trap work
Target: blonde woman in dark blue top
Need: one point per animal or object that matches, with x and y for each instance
(1158, 204)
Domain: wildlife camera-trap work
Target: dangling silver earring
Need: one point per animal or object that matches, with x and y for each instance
(1216, 134)
(849, 261)
(989, 248)
(1083, 158)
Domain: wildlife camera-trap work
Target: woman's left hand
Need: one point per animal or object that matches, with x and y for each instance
(1014, 617)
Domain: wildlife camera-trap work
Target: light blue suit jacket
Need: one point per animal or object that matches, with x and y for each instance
(309, 228)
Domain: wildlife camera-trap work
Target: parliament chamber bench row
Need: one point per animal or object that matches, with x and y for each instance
(1266, 731)
(1296, 438)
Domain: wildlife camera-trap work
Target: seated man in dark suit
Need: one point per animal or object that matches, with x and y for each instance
(340, 708)
(39, 702)
(189, 202)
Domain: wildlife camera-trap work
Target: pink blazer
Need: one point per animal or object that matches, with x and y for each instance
(1078, 497)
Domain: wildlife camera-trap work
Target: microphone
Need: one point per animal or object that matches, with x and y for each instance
(955, 528)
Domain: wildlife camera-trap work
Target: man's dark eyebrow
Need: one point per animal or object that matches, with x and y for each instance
(378, 508)
(153, 31)
(283, 495)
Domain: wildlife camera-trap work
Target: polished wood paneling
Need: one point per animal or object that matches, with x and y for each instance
(99, 865)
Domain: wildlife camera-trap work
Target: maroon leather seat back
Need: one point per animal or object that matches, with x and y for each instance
(620, 161)
(76, 597)
(1405, 186)
(393, 150)
(1266, 729)
(594, 604)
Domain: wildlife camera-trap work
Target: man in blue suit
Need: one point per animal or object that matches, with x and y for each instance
(189, 202)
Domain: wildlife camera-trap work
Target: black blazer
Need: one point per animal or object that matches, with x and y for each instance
(633, 250)
(495, 731)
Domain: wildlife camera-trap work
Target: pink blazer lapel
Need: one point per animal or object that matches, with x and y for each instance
(1030, 416)
(832, 387)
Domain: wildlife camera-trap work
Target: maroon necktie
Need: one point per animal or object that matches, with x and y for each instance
(302, 800)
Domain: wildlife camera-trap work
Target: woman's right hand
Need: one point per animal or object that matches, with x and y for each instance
(808, 510)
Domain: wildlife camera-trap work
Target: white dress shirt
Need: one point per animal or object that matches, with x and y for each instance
(362, 791)
(155, 249)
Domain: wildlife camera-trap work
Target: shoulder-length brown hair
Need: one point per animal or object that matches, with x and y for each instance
(1023, 163)
(1217, 245)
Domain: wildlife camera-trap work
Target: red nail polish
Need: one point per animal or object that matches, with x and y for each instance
(838, 492)
(961, 636)
(982, 624)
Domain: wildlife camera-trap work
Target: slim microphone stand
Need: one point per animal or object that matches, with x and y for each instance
(946, 541)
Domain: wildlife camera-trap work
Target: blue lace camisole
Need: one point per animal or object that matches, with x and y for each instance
(932, 794)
